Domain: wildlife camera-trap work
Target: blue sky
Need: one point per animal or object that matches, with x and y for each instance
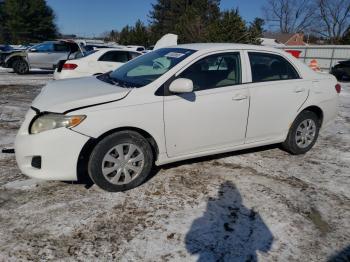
(92, 17)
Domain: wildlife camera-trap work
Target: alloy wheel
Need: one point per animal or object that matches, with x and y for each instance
(305, 133)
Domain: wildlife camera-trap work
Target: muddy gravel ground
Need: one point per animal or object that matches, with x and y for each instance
(260, 204)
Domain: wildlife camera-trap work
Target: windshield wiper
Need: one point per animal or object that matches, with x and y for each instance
(121, 83)
(107, 78)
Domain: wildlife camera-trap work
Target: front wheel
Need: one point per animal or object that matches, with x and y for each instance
(303, 133)
(20, 66)
(121, 161)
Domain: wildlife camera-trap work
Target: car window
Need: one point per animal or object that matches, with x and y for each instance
(214, 71)
(45, 47)
(270, 67)
(133, 55)
(115, 56)
(61, 48)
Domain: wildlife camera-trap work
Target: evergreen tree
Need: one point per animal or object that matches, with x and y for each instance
(190, 27)
(125, 36)
(256, 30)
(29, 21)
(3, 34)
(229, 28)
(193, 21)
(172, 16)
(135, 35)
(140, 34)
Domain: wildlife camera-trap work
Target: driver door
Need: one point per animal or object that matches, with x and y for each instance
(214, 116)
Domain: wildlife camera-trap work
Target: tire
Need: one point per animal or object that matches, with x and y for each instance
(303, 133)
(114, 168)
(20, 66)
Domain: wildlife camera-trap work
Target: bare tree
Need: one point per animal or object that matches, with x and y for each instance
(334, 16)
(289, 16)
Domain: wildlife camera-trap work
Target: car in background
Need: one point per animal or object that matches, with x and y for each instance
(136, 48)
(342, 71)
(94, 62)
(173, 104)
(5, 51)
(90, 47)
(41, 56)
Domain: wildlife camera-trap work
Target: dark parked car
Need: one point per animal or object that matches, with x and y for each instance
(5, 51)
(43, 56)
(342, 71)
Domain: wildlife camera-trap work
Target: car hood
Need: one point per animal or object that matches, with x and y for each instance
(67, 95)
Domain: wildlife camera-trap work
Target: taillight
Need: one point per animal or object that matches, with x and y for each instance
(68, 66)
(338, 88)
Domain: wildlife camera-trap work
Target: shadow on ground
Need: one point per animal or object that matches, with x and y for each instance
(228, 231)
(36, 72)
(84, 178)
(342, 256)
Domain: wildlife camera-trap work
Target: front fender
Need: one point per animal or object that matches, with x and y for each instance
(8, 60)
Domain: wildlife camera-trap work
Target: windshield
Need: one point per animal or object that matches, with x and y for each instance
(147, 68)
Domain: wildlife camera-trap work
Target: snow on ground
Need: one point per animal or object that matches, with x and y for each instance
(36, 77)
(254, 204)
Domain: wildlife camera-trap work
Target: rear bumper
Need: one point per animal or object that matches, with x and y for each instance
(65, 74)
(57, 152)
(330, 111)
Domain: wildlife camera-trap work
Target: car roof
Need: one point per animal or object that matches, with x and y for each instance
(224, 46)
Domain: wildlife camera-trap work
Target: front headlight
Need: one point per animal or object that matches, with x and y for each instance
(51, 121)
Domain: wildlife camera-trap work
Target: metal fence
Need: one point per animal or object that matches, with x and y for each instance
(327, 55)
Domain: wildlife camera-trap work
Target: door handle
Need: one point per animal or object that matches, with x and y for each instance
(299, 90)
(239, 97)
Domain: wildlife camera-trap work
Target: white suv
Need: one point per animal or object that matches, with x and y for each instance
(173, 104)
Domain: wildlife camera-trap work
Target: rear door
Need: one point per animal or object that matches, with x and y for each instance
(215, 114)
(61, 52)
(276, 93)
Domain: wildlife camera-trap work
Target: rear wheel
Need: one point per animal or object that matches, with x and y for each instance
(121, 161)
(303, 133)
(20, 66)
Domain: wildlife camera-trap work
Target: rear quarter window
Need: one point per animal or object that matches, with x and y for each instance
(133, 55)
(61, 48)
(115, 56)
(270, 67)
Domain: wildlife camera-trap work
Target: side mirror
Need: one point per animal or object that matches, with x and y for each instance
(181, 85)
(32, 50)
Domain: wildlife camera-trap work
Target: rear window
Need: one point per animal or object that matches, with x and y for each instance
(269, 67)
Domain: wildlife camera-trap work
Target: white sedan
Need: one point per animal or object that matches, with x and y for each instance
(94, 62)
(173, 104)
